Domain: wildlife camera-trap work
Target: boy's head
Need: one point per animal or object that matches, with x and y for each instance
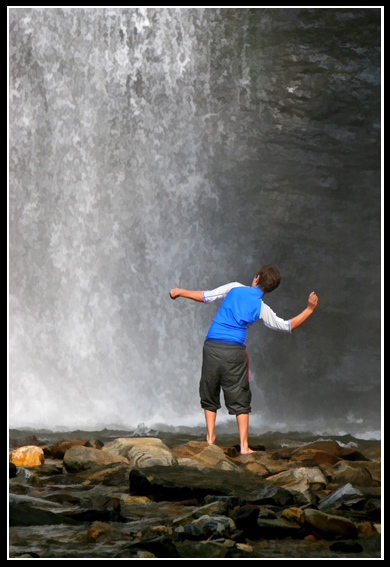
(267, 278)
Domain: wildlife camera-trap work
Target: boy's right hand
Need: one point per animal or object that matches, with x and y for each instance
(313, 300)
(174, 293)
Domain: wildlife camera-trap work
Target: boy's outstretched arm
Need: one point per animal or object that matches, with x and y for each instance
(195, 295)
(311, 305)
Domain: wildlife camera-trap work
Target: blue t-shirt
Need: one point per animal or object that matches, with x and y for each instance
(240, 308)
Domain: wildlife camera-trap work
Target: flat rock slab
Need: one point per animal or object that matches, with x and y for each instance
(161, 483)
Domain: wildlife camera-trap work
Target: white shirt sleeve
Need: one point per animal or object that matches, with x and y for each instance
(219, 292)
(273, 321)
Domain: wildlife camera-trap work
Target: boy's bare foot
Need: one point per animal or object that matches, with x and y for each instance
(211, 440)
(247, 451)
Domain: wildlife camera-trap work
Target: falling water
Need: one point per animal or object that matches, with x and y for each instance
(155, 148)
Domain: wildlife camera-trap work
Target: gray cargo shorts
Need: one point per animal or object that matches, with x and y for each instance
(225, 365)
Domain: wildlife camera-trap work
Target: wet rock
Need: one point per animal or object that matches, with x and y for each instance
(261, 463)
(25, 475)
(202, 550)
(293, 515)
(28, 456)
(59, 448)
(272, 495)
(161, 546)
(190, 532)
(80, 458)
(28, 511)
(346, 546)
(245, 518)
(278, 528)
(328, 526)
(141, 452)
(98, 508)
(229, 501)
(212, 508)
(23, 441)
(12, 470)
(220, 526)
(351, 473)
(185, 483)
(345, 497)
(367, 529)
(313, 457)
(214, 457)
(313, 475)
(190, 449)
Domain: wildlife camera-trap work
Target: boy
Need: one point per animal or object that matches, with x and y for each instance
(225, 362)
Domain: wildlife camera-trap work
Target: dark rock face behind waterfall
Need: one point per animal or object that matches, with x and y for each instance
(154, 148)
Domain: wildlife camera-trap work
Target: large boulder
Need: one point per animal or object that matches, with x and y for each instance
(313, 475)
(140, 452)
(328, 526)
(29, 456)
(59, 448)
(355, 473)
(80, 458)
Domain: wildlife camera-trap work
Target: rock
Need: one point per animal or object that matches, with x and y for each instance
(261, 463)
(23, 441)
(94, 443)
(185, 483)
(313, 475)
(141, 452)
(351, 473)
(190, 449)
(313, 457)
(202, 549)
(319, 452)
(229, 501)
(346, 547)
(28, 456)
(367, 528)
(328, 526)
(80, 458)
(214, 457)
(25, 475)
(213, 508)
(345, 497)
(12, 470)
(161, 546)
(114, 474)
(348, 454)
(278, 528)
(272, 495)
(222, 526)
(245, 518)
(28, 511)
(302, 492)
(58, 449)
(372, 509)
(98, 508)
(375, 470)
(100, 531)
(293, 515)
(190, 532)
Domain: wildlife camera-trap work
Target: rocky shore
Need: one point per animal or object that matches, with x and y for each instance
(141, 497)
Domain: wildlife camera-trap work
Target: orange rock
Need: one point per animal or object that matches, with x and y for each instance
(314, 457)
(311, 537)
(29, 456)
(366, 528)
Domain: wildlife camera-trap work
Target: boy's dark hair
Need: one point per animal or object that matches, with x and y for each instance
(269, 278)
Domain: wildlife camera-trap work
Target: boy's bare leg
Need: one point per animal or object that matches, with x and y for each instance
(210, 425)
(243, 422)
